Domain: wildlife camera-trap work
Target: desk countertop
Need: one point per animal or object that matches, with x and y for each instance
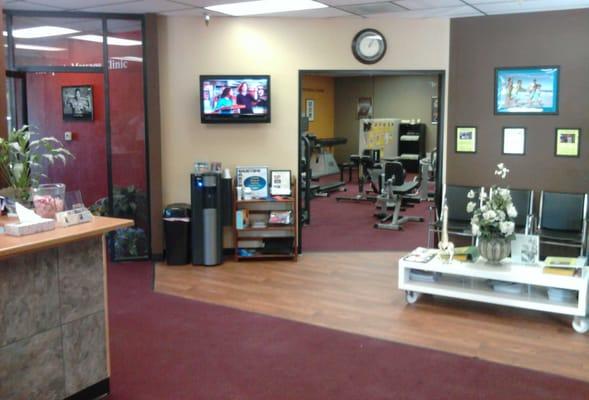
(11, 245)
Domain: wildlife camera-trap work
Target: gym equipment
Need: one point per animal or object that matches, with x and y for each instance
(368, 168)
(392, 196)
(323, 162)
(315, 144)
(207, 231)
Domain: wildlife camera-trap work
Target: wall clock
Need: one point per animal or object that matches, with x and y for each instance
(369, 46)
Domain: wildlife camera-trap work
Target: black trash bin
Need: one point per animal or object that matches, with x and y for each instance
(177, 233)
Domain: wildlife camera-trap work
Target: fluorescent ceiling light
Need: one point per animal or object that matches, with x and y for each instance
(41, 32)
(39, 48)
(265, 7)
(110, 40)
(129, 58)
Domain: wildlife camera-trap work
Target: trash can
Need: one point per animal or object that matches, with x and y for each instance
(177, 233)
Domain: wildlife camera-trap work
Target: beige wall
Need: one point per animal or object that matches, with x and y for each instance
(276, 46)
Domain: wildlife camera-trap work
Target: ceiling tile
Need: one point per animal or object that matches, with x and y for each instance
(138, 7)
(318, 13)
(531, 6)
(371, 8)
(446, 12)
(206, 3)
(427, 4)
(27, 6)
(341, 3)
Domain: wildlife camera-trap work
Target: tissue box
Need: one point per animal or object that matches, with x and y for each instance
(28, 228)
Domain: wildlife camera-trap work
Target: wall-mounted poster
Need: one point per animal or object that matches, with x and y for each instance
(364, 107)
(526, 90)
(514, 141)
(435, 110)
(466, 139)
(280, 183)
(77, 103)
(567, 142)
(254, 178)
(310, 109)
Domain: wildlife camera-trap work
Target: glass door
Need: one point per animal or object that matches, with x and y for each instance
(16, 100)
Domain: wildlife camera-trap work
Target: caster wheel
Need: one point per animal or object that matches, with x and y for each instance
(412, 297)
(581, 325)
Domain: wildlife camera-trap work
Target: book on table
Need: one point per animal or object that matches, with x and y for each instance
(466, 253)
(421, 255)
(561, 262)
(560, 271)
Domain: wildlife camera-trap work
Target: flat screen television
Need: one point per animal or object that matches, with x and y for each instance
(234, 98)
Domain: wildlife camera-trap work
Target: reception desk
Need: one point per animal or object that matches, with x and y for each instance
(53, 313)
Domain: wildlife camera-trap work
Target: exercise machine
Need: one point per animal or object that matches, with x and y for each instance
(368, 164)
(392, 195)
(316, 146)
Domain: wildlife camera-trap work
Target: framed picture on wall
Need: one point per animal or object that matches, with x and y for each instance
(77, 103)
(514, 141)
(567, 142)
(310, 109)
(364, 107)
(466, 139)
(435, 110)
(527, 90)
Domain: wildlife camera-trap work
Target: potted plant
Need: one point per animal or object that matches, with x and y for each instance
(493, 220)
(23, 158)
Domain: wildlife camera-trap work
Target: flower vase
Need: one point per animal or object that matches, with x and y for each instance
(494, 249)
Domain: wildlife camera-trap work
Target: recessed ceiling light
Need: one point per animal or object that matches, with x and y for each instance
(41, 32)
(110, 40)
(38, 48)
(265, 7)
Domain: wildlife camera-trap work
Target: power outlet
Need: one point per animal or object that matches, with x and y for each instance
(68, 136)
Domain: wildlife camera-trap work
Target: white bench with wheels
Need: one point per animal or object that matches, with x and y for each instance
(513, 285)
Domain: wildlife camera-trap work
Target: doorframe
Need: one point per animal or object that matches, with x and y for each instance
(441, 154)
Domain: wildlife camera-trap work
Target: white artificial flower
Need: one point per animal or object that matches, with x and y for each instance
(470, 194)
(475, 229)
(506, 227)
(511, 211)
(489, 215)
(501, 215)
(470, 206)
(483, 195)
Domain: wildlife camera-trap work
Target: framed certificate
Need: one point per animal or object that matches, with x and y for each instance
(280, 183)
(514, 141)
(466, 139)
(567, 142)
(254, 178)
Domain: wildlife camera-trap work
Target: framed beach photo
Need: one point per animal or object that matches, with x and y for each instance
(77, 103)
(466, 139)
(526, 90)
(514, 141)
(567, 142)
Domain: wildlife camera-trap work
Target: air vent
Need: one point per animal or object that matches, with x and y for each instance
(372, 8)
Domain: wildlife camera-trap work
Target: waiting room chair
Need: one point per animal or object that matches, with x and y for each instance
(458, 218)
(523, 200)
(563, 220)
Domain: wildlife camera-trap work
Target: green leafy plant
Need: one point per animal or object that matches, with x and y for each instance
(23, 159)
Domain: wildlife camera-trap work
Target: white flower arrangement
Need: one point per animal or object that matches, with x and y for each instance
(493, 215)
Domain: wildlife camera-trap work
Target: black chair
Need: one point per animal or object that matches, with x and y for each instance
(563, 220)
(523, 200)
(458, 218)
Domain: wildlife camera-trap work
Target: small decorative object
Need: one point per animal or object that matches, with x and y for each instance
(369, 46)
(446, 247)
(466, 139)
(23, 158)
(514, 141)
(526, 90)
(48, 199)
(567, 142)
(493, 220)
(280, 181)
(77, 103)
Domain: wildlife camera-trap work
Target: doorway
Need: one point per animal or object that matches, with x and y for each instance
(345, 113)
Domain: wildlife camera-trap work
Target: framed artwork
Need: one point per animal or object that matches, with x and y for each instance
(567, 142)
(527, 90)
(514, 141)
(310, 109)
(280, 183)
(525, 249)
(466, 139)
(435, 110)
(77, 103)
(364, 107)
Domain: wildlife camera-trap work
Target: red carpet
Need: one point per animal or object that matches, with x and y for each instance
(164, 347)
(347, 226)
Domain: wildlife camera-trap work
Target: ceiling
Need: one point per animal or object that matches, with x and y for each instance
(337, 8)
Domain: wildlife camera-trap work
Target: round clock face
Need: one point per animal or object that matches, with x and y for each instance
(369, 46)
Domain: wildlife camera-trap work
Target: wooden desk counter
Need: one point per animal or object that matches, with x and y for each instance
(53, 313)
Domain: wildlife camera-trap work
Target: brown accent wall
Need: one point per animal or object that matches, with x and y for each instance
(480, 44)
(3, 127)
(154, 134)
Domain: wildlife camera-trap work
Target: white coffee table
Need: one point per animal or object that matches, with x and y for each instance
(474, 281)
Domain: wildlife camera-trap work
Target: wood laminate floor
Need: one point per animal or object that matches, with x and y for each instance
(357, 293)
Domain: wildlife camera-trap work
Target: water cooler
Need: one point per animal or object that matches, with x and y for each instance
(207, 231)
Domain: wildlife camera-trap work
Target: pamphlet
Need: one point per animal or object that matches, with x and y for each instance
(421, 255)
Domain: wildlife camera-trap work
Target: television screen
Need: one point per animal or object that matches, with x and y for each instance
(236, 98)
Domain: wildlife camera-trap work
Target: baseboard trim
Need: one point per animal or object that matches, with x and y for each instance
(93, 392)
